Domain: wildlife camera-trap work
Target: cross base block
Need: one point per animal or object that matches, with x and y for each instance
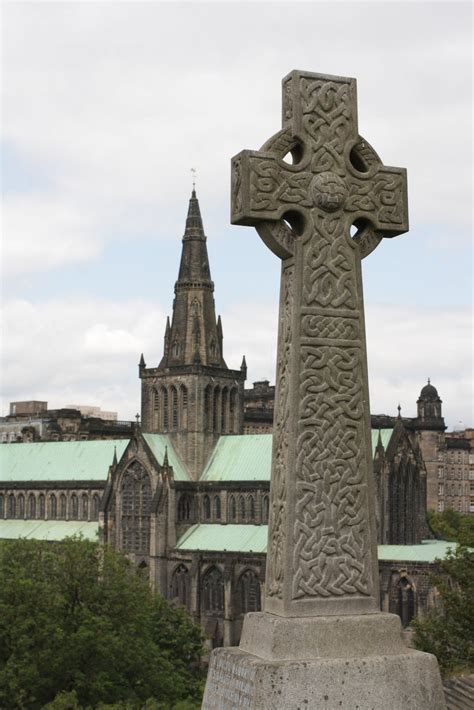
(352, 662)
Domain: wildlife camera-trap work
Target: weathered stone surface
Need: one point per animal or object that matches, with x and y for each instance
(393, 682)
(274, 637)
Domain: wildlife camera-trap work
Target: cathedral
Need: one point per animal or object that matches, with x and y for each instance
(186, 493)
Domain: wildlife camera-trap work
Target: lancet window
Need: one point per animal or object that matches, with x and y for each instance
(180, 585)
(2, 506)
(265, 509)
(31, 506)
(215, 408)
(62, 506)
(217, 507)
(84, 507)
(174, 408)
(164, 398)
(74, 507)
(224, 406)
(53, 507)
(248, 593)
(251, 507)
(213, 590)
(21, 506)
(232, 508)
(95, 507)
(135, 505)
(185, 507)
(208, 408)
(206, 507)
(11, 506)
(42, 506)
(242, 508)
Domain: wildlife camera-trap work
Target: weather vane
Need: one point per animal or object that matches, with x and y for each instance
(193, 172)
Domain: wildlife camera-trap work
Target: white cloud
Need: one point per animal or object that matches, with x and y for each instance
(87, 351)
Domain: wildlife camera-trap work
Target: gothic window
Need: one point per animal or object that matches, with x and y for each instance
(136, 501)
(215, 410)
(42, 506)
(180, 585)
(21, 506)
(62, 506)
(232, 408)
(185, 507)
(265, 509)
(242, 508)
(31, 506)
(208, 408)
(164, 399)
(53, 507)
(84, 507)
(176, 348)
(213, 591)
(224, 404)
(195, 307)
(174, 408)
(248, 593)
(232, 508)
(11, 506)
(2, 506)
(252, 508)
(156, 401)
(184, 406)
(217, 507)
(206, 507)
(74, 507)
(212, 348)
(95, 506)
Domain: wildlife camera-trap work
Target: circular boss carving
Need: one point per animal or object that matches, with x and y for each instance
(329, 191)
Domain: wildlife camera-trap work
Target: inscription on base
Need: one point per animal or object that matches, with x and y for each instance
(230, 684)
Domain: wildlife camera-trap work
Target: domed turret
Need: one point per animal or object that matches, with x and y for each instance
(429, 404)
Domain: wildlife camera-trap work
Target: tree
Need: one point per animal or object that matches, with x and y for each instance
(452, 525)
(76, 618)
(449, 632)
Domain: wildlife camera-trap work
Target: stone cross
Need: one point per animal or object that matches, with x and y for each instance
(306, 191)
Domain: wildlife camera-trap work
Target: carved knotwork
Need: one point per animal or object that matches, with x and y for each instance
(320, 539)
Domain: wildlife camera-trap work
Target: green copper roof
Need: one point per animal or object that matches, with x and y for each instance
(158, 444)
(385, 436)
(47, 529)
(59, 460)
(230, 538)
(246, 457)
(253, 538)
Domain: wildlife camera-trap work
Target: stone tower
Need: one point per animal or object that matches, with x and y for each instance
(431, 427)
(192, 395)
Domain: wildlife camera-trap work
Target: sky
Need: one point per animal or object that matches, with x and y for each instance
(106, 106)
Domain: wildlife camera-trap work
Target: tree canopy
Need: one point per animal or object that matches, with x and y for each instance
(452, 525)
(448, 632)
(79, 622)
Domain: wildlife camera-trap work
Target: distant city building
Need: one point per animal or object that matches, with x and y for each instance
(32, 421)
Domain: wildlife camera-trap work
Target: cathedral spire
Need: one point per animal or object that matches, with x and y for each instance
(194, 336)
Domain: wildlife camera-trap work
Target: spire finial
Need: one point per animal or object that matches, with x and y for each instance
(193, 173)
(399, 411)
(429, 381)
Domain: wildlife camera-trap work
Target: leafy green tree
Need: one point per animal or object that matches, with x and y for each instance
(453, 526)
(449, 632)
(80, 627)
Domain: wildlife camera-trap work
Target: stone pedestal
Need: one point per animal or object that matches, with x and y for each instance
(348, 662)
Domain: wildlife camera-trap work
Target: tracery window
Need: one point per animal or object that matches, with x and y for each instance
(184, 507)
(206, 507)
(164, 399)
(248, 593)
(232, 508)
(242, 508)
(265, 509)
(217, 507)
(180, 585)
(62, 506)
(95, 507)
(84, 507)
(174, 408)
(53, 507)
(31, 506)
(74, 507)
(136, 502)
(42, 506)
(213, 590)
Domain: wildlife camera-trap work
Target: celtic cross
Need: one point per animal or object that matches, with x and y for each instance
(321, 556)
